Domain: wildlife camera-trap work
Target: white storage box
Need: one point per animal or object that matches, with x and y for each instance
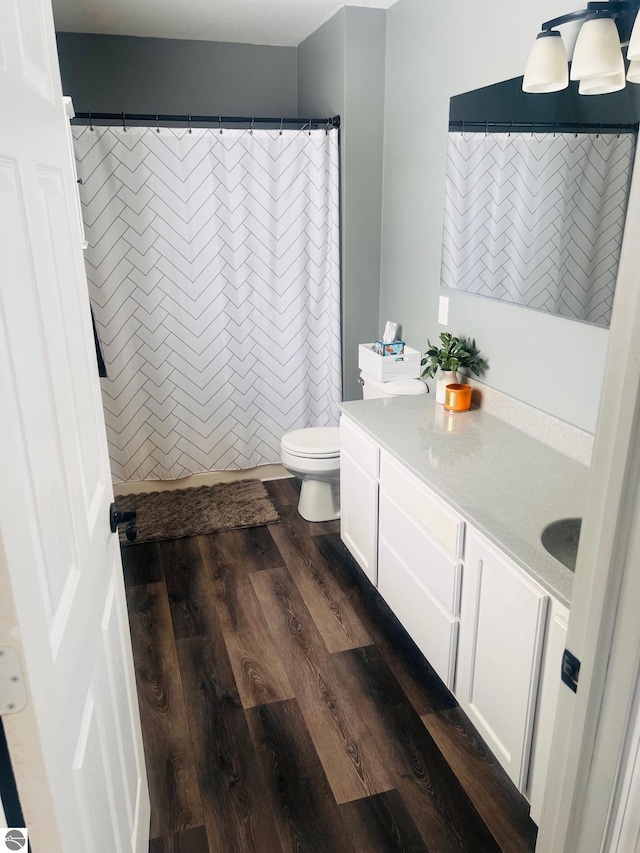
(388, 367)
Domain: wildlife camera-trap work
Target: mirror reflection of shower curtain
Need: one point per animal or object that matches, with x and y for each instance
(213, 267)
(536, 219)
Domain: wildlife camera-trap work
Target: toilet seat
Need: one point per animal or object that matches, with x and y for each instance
(313, 443)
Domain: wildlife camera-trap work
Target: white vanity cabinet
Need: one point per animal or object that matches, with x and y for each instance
(493, 635)
(359, 467)
(419, 567)
(501, 638)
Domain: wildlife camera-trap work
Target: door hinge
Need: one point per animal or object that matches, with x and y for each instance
(570, 670)
(13, 695)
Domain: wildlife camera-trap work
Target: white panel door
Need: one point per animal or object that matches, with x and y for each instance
(502, 620)
(76, 747)
(359, 515)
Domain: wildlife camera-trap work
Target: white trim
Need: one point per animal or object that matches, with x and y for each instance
(68, 107)
(604, 631)
(624, 835)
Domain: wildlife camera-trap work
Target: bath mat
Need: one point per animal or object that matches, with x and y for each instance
(205, 509)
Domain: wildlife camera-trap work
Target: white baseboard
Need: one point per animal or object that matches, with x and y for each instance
(209, 478)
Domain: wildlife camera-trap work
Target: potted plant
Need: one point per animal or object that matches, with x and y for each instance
(448, 358)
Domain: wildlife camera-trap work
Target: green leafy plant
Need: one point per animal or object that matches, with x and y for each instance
(452, 355)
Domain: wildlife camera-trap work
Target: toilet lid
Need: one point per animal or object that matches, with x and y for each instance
(314, 442)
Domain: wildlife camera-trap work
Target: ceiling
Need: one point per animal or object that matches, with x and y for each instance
(274, 22)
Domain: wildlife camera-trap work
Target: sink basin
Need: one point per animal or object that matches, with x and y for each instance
(560, 538)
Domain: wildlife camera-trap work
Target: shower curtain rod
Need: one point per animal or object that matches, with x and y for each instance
(577, 127)
(155, 118)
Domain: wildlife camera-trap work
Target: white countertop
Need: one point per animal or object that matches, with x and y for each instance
(506, 484)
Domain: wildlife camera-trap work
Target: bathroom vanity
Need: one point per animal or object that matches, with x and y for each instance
(444, 514)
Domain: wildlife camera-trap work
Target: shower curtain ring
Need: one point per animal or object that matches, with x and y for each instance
(599, 129)
(327, 126)
(486, 128)
(157, 124)
(462, 129)
(533, 128)
(510, 128)
(555, 130)
(189, 122)
(90, 122)
(220, 124)
(281, 123)
(309, 127)
(124, 126)
(251, 128)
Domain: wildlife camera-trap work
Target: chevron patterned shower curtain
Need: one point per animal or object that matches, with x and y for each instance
(537, 219)
(213, 267)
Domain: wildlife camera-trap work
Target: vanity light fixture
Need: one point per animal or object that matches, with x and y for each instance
(547, 69)
(633, 74)
(633, 51)
(597, 58)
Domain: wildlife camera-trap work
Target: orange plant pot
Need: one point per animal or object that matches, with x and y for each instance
(457, 398)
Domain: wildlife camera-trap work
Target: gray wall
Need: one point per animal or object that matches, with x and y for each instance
(341, 70)
(434, 51)
(124, 73)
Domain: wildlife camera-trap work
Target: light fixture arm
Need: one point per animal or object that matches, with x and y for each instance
(615, 8)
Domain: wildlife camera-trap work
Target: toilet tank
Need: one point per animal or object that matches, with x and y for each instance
(372, 387)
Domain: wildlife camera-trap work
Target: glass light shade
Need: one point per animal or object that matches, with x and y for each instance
(547, 69)
(602, 85)
(597, 52)
(633, 51)
(633, 74)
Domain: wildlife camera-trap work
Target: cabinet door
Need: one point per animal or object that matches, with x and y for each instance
(359, 514)
(501, 632)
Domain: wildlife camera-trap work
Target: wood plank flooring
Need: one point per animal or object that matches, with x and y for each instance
(285, 709)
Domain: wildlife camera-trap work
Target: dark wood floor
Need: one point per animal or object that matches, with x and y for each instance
(285, 709)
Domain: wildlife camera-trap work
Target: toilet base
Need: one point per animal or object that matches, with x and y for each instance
(319, 500)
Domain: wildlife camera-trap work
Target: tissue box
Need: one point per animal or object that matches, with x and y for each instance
(394, 348)
(388, 367)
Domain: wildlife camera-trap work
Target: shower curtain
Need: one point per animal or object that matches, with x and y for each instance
(537, 218)
(213, 267)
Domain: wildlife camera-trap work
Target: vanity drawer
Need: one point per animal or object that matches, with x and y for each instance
(431, 628)
(446, 526)
(430, 563)
(360, 447)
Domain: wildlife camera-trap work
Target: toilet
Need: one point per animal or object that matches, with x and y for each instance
(313, 454)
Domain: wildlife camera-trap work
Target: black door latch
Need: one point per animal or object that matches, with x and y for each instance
(570, 672)
(124, 516)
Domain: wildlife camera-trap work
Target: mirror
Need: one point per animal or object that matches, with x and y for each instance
(536, 197)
